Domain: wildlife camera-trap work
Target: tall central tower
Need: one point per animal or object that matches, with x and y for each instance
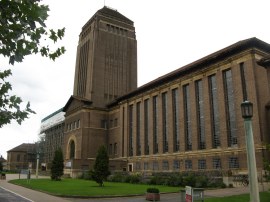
(106, 64)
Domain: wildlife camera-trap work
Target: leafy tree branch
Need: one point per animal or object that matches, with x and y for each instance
(23, 32)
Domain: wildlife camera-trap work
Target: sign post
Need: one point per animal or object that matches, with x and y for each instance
(189, 194)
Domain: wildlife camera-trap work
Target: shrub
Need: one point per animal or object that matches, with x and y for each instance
(117, 177)
(152, 190)
(189, 180)
(201, 181)
(175, 180)
(135, 178)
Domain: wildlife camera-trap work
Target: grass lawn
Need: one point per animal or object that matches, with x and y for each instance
(264, 197)
(77, 187)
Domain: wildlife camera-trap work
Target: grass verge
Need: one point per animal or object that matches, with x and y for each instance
(78, 187)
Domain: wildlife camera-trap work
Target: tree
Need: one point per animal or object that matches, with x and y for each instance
(101, 166)
(23, 32)
(57, 169)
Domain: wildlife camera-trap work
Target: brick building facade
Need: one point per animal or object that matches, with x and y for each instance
(189, 119)
(22, 157)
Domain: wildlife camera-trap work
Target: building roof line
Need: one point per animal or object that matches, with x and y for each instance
(203, 62)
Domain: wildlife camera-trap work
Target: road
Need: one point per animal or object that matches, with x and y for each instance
(9, 196)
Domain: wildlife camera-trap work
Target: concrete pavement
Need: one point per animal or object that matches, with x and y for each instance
(42, 197)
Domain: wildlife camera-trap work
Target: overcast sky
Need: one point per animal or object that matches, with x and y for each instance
(170, 34)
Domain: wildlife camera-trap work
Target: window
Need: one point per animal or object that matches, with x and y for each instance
(72, 149)
(104, 124)
(82, 70)
(230, 108)
(187, 118)
(78, 123)
(146, 127)
(175, 112)
(115, 122)
(131, 130)
(110, 149)
(18, 157)
(214, 111)
(155, 125)
(138, 166)
(200, 113)
(176, 164)
(216, 163)
(188, 164)
(243, 80)
(146, 166)
(155, 165)
(233, 162)
(165, 122)
(201, 164)
(165, 165)
(138, 122)
(115, 148)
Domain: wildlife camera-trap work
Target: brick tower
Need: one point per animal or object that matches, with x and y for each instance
(106, 64)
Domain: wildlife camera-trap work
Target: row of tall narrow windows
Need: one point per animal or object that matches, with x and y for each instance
(233, 163)
(117, 30)
(135, 110)
(73, 125)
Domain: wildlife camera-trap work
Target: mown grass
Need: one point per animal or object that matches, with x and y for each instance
(78, 187)
(264, 197)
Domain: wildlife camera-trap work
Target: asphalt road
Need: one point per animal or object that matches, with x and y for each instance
(8, 196)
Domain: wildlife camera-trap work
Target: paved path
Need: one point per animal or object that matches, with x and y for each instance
(36, 196)
(9, 196)
(28, 193)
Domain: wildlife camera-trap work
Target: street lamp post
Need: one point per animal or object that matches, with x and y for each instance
(37, 165)
(247, 113)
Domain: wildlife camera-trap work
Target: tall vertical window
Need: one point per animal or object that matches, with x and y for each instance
(155, 165)
(216, 163)
(130, 130)
(165, 121)
(230, 108)
(175, 108)
(176, 164)
(214, 111)
(146, 166)
(155, 125)
(200, 113)
(201, 164)
(82, 69)
(165, 165)
(188, 164)
(115, 148)
(243, 80)
(146, 127)
(233, 162)
(187, 118)
(138, 121)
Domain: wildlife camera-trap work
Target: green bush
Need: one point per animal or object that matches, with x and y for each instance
(201, 181)
(152, 190)
(189, 180)
(117, 177)
(175, 180)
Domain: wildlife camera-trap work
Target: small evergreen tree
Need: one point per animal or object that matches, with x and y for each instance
(57, 169)
(101, 166)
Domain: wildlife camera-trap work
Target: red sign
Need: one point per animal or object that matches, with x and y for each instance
(188, 198)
